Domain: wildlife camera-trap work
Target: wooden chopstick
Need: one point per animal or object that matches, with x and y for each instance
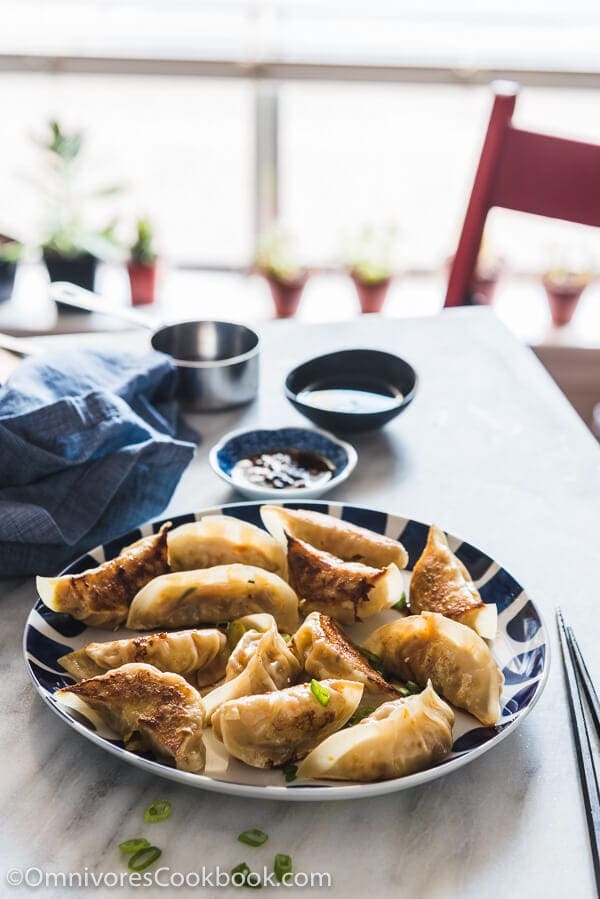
(587, 771)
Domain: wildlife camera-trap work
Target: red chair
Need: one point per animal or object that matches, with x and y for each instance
(527, 172)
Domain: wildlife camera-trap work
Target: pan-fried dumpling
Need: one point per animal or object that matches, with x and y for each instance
(397, 739)
(276, 728)
(221, 540)
(151, 709)
(441, 583)
(326, 651)
(261, 623)
(347, 591)
(101, 596)
(458, 662)
(246, 646)
(341, 538)
(210, 595)
(265, 663)
(198, 655)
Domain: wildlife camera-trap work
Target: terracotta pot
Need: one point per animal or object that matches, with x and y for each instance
(563, 300)
(483, 289)
(371, 296)
(142, 279)
(286, 294)
(483, 285)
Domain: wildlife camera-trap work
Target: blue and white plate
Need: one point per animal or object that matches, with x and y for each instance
(521, 650)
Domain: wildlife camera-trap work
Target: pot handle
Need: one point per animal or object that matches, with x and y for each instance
(78, 297)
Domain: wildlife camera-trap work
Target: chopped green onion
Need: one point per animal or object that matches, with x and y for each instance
(287, 638)
(186, 593)
(243, 880)
(400, 606)
(251, 581)
(143, 858)
(242, 868)
(409, 689)
(158, 811)
(130, 846)
(373, 660)
(289, 772)
(282, 867)
(253, 837)
(320, 692)
(359, 714)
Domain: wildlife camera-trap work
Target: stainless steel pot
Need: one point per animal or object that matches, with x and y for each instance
(217, 362)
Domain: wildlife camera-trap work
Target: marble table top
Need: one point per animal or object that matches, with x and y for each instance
(490, 450)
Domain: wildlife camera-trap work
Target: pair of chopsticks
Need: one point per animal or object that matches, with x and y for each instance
(579, 684)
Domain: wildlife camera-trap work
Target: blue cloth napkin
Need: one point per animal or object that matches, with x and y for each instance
(91, 445)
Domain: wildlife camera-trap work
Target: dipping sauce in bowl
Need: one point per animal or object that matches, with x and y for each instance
(284, 469)
(282, 463)
(352, 390)
(367, 396)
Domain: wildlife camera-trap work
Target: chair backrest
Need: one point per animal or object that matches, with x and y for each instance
(527, 172)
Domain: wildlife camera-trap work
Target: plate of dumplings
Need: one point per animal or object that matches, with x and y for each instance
(292, 651)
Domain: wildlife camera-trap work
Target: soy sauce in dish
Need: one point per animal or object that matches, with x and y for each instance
(284, 469)
(354, 396)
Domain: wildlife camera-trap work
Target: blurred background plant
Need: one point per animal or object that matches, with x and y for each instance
(569, 271)
(369, 254)
(142, 250)
(142, 265)
(276, 260)
(72, 243)
(369, 259)
(276, 255)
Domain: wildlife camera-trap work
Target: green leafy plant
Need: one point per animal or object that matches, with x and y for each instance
(275, 256)
(143, 251)
(68, 232)
(369, 256)
(10, 250)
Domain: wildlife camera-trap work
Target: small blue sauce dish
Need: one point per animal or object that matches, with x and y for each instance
(352, 390)
(283, 463)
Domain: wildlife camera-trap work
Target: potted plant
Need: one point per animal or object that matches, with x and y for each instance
(142, 265)
(564, 288)
(488, 269)
(370, 266)
(275, 260)
(71, 247)
(11, 251)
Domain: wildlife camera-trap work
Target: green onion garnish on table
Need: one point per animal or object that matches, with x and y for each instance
(282, 867)
(143, 858)
(289, 772)
(320, 692)
(246, 877)
(158, 811)
(130, 846)
(253, 837)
